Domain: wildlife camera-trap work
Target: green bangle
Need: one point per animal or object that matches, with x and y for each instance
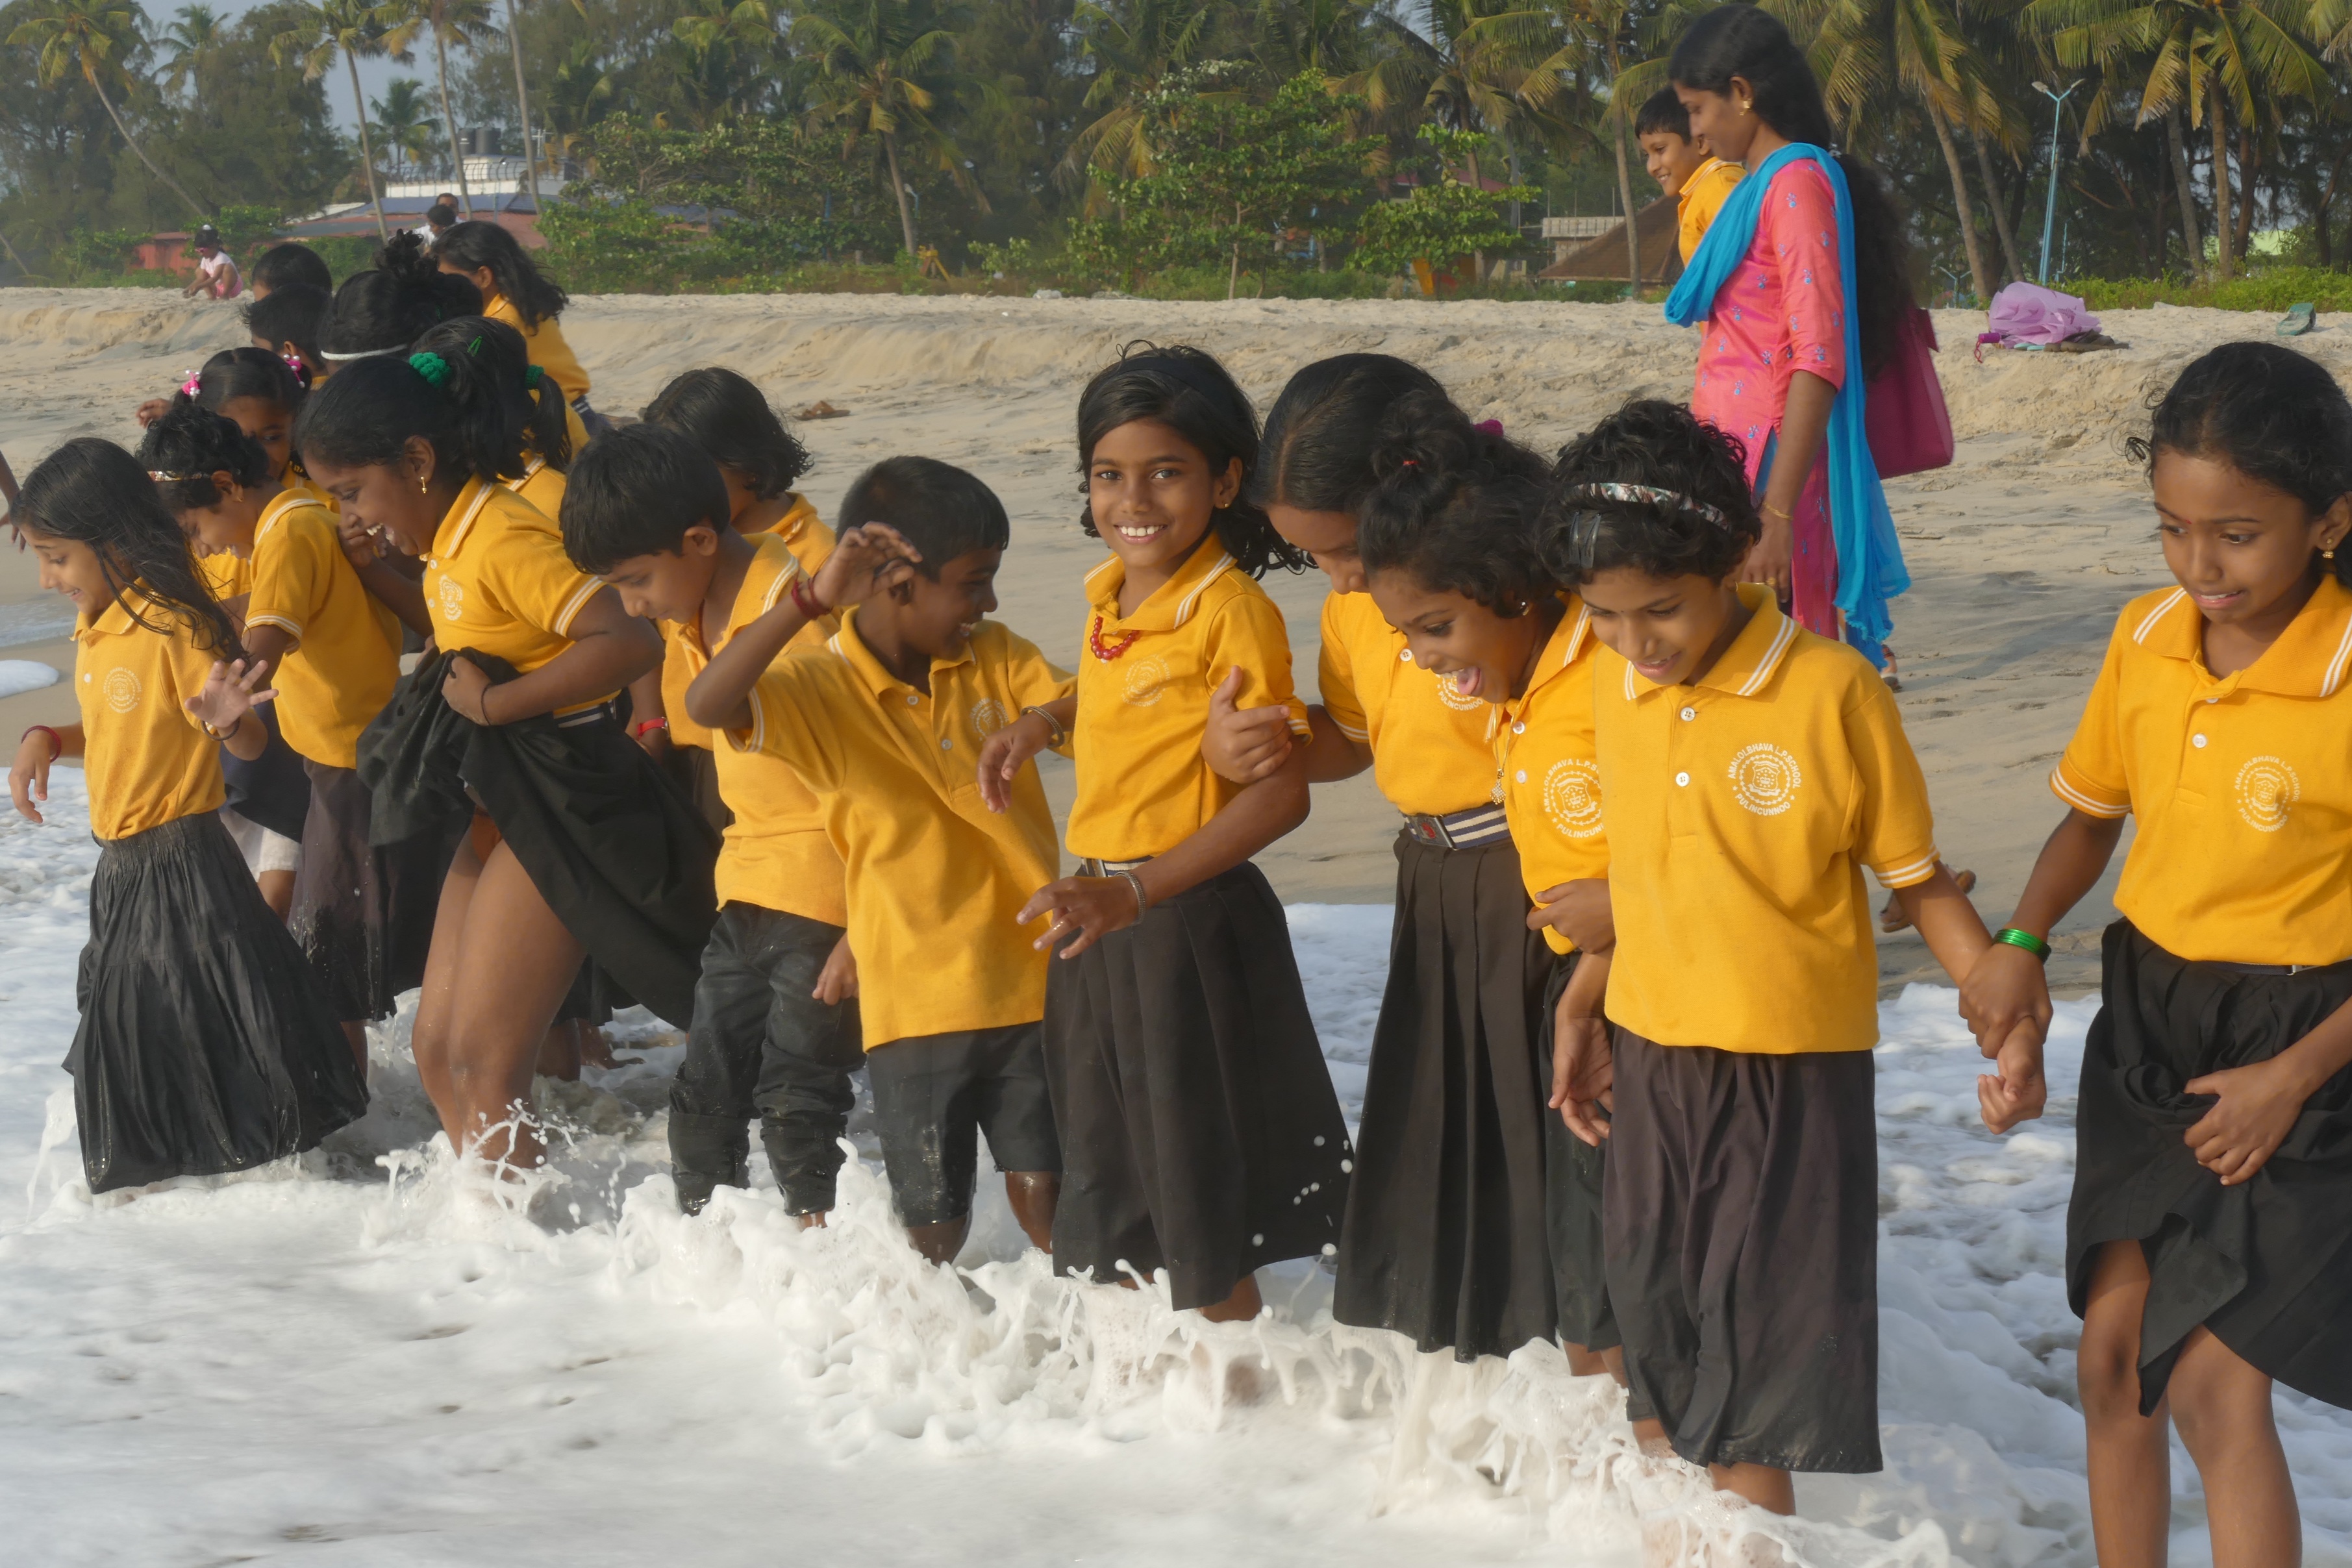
(2025, 939)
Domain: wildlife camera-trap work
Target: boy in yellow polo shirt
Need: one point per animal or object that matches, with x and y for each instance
(2205, 1242)
(1682, 167)
(1752, 770)
(886, 723)
(774, 1033)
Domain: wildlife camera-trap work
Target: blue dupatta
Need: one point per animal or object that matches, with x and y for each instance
(1869, 556)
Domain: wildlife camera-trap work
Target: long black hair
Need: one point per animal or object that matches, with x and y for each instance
(365, 416)
(379, 313)
(1186, 390)
(498, 367)
(730, 419)
(474, 244)
(1746, 42)
(1317, 453)
(2275, 416)
(182, 450)
(94, 493)
(1454, 506)
(1652, 488)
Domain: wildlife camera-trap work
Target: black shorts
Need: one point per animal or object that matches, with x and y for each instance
(935, 1093)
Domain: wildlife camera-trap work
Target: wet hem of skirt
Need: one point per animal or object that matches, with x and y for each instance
(1831, 1464)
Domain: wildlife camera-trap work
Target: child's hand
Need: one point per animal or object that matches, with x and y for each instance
(866, 559)
(2003, 990)
(1245, 745)
(28, 776)
(1583, 1070)
(466, 689)
(1579, 911)
(154, 409)
(1093, 906)
(2014, 1090)
(1004, 753)
(229, 695)
(2253, 1110)
(837, 981)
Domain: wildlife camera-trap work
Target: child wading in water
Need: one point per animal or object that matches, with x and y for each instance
(2205, 1245)
(1199, 1134)
(205, 1044)
(1751, 769)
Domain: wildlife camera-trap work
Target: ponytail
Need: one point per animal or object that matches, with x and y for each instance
(499, 392)
(1317, 454)
(1453, 505)
(94, 493)
(379, 313)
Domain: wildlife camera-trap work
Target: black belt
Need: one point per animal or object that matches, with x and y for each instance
(2272, 968)
(1474, 829)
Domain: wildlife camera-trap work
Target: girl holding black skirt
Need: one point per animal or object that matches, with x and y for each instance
(576, 845)
(1200, 1137)
(2206, 1245)
(205, 1044)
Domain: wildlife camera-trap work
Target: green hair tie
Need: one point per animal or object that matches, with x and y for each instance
(431, 367)
(531, 376)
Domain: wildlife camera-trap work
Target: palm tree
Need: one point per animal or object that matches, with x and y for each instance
(459, 21)
(883, 67)
(353, 29)
(1589, 32)
(522, 101)
(724, 52)
(1134, 46)
(584, 92)
(195, 32)
(88, 36)
(405, 121)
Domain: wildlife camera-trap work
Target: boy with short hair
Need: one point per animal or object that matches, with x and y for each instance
(1681, 164)
(774, 1032)
(886, 723)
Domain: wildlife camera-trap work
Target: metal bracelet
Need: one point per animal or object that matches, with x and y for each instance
(1142, 900)
(1060, 734)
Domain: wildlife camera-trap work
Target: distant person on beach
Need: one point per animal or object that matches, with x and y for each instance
(216, 276)
(1683, 168)
(282, 266)
(439, 218)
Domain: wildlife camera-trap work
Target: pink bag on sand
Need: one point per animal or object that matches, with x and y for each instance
(1910, 429)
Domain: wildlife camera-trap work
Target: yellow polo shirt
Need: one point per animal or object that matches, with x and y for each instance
(935, 878)
(1143, 786)
(347, 654)
(1741, 812)
(1551, 779)
(146, 759)
(542, 486)
(2241, 783)
(776, 854)
(1699, 200)
(1432, 749)
(228, 574)
(498, 580)
(548, 350)
(810, 541)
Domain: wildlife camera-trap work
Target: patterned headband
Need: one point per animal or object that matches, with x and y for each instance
(164, 476)
(363, 354)
(1584, 527)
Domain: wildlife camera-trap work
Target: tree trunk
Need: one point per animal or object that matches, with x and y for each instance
(194, 206)
(2250, 157)
(1233, 275)
(899, 189)
(449, 120)
(1999, 203)
(1961, 202)
(367, 148)
(1626, 195)
(523, 106)
(2216, 121)
(2188, 192)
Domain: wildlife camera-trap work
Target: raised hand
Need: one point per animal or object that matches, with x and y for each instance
(865, 561)
(230, 692)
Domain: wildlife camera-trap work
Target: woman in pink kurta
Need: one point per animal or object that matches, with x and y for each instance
(1784, 310)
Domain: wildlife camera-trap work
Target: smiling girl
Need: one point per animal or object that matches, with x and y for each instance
(205, 1044)
(2205, 1245)
(1200, 1137)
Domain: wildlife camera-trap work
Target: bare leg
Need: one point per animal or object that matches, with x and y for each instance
(559, 1051)
(1768, 1487)
(2223, 1407)
(1240, 1307)
(1034, 1195)
(355, 1036)
(1583, 1362)
(2130, 1454)
(437, 1002)
(940, 1240)
(277, 890)
(515, 964)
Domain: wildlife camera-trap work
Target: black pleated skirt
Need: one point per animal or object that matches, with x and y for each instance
(2266, 1265)
(206, 1043)
(1573, 1176)
(1444, 1241)
(271, 791)
(1199, 1134)
(694, 770)
(362, 913)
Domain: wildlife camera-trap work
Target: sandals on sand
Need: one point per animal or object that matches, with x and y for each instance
(1891, 919)
(2298, 319)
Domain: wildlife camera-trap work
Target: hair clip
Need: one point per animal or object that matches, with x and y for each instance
(531, 376)
(1488, 427)
(195, 379)
(363, 354)
(1410, 463)
(164, 476)
(475, 346)
(431, 367)
(293, 362)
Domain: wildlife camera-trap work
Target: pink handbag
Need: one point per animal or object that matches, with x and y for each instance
(1910, 429)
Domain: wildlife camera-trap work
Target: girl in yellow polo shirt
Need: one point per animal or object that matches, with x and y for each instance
(205, 1044)
(2205, 1244)
(1445, 1235)
(1752, 770)
(1200, 1137)
(581, 848)
(515, 292)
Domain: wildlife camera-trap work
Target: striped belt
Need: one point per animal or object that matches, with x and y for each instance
(1091, 867)
(2274, 968)
(589, 714)
(1471, 829)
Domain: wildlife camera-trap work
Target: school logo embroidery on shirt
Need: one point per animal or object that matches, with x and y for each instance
(1765, 778)
(1146, 678)
(988, 716)
(1571, 797)
(452, 599)
(121, 690)
(2267, 791)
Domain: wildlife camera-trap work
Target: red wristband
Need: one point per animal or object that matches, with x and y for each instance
(638, 733)
(57, 741)
(806, 600)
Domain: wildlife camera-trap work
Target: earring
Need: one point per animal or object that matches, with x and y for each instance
(1745, 106)
(2327, 554)
(423, 487)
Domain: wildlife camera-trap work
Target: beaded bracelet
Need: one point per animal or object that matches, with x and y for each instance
(2025, 939)
(805, 599)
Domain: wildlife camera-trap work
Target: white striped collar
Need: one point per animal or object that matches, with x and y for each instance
(2312, 657)
(1754, 656)
(1170, 604)
(451, 537)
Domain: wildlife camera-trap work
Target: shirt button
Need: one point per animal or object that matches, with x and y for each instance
(947, 745)
(1523, 775)
(1690, 713)
(1683, 779)
(2198, 741)
(1405, 655)
(910, 699)
(1520, 728)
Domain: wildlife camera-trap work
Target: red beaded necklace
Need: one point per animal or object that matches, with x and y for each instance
(1111, 648)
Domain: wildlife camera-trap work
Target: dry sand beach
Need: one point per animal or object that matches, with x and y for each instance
(2020, 551)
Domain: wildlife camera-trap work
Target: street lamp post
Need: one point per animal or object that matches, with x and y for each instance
(2050, 206)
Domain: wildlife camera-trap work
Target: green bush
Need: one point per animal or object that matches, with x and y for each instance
(2271, 289)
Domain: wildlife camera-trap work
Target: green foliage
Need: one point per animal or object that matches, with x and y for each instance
(1443, 219)
(2270, 289)
(93, 254)
(246, 225)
